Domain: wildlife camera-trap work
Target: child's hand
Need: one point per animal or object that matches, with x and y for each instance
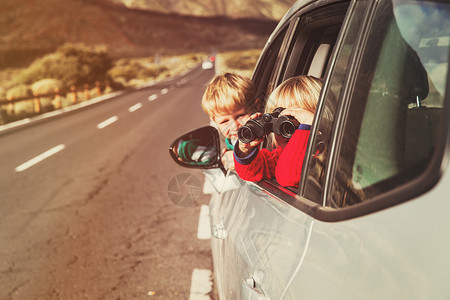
(246, 148)
(227, 159)
(302, 115)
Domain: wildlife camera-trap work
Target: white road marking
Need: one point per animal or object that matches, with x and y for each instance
(201, 284)
(164, 91)
(107, 122)
(153, 97)
(135, 107)
(40, 158)
(204, 225)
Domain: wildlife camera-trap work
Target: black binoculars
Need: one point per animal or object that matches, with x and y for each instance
(267, 123)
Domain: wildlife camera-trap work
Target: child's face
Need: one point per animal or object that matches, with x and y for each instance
(230, 123)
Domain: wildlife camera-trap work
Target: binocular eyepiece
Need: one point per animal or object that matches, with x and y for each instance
(267, 123)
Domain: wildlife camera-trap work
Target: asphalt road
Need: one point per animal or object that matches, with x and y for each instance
(92, 219)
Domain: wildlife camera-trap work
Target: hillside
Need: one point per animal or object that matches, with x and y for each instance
(260, 9)
(29, 28)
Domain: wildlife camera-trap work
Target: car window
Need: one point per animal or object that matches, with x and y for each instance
(395, 102)
(313, 41)
(326, 110)
(313, 37)
(265, 68)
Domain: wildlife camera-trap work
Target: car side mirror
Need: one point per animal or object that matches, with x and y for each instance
(198, 149)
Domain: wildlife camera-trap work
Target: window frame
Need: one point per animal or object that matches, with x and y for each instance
(280, 73)
(321, 20)
(264, 79)
(402, 193)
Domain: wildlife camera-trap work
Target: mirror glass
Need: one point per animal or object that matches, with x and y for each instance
(199, 148)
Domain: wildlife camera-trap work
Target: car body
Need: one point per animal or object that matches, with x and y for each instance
(207, 65)
(369, 217)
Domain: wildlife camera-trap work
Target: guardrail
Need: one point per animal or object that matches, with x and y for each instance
(75, 94)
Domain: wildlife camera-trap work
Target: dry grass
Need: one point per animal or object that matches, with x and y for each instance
(240, 62)
(130, 72)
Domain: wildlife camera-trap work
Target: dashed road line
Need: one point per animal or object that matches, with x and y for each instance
(135, 107)
(107, 122)
(201, 284)
(153, 97)
(40, 158)
(201, 281)
(204, 227)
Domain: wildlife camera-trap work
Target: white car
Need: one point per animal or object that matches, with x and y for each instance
(369, 220)
(207, 65)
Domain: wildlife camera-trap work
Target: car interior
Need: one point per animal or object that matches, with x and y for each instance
(307, 52)
(399, 112)
(413, 103)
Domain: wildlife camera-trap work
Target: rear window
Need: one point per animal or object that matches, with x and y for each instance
(392, 128)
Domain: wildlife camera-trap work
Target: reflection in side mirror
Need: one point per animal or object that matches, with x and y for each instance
(199, 148)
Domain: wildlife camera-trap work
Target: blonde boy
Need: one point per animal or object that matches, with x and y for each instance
(229, 100)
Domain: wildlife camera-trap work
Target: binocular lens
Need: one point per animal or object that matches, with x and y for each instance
(245, 134)
(267, 123)
(287, 129)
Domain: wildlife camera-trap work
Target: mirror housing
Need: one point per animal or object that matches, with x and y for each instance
(199, 148)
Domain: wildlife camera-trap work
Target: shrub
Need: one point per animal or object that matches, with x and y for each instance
(19, 91)
(46, 86)
(3, 116)
(24, 109)
(2, 93)
(73, 64)
(195, 57)
(152, 72)
(243, 62)
(126, 70)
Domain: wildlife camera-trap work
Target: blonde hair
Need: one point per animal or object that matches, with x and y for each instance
(301, 91)
(228, 93)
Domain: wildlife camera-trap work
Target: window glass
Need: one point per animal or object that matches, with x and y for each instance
(308, 53)
(265, 68)
(314, 38)
(327, 112)
(396, 104)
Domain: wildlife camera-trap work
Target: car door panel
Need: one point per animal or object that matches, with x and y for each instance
(274, 244)
(265, 237)
(391, 254)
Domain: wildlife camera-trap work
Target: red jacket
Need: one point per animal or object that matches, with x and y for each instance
(285, 165)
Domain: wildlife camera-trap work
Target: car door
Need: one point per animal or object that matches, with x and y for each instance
(224, 205)
(260, 236)
(382, 229)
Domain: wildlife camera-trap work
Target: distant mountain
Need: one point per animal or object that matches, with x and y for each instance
(261, 9)
(30, 28)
